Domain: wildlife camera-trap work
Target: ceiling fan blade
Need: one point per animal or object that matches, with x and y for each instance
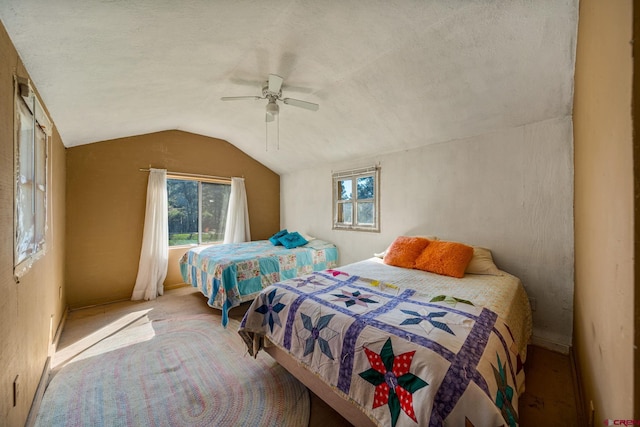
(275, 83)
(239, 98)
(303, 104)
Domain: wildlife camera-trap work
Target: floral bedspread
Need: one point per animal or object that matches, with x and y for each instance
(404, 359)
(232, 273)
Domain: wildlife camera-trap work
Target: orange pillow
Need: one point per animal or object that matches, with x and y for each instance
(447, 258)
(404, 251)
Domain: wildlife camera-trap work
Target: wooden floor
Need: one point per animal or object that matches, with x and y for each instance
(549, 399)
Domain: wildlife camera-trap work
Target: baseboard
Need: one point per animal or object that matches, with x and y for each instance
(165, 287)
(37, 399)
(175, 286)
(82, 307)
(550, 345)
(44, 377)
(584, 419)
(56, 338)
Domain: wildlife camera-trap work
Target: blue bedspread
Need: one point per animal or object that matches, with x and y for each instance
(405, 359)
(232, 273)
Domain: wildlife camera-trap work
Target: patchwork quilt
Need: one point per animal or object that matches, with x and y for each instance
(403, 358)
(232, 273)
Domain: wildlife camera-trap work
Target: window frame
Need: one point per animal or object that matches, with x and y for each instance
(30, 245)
(199, 180)
(354, 175)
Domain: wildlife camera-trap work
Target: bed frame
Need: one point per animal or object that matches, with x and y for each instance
(342, 406)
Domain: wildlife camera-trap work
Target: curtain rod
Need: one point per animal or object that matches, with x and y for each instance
(193, 175)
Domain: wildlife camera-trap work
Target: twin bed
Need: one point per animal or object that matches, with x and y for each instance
(393, 346)
(233, 273)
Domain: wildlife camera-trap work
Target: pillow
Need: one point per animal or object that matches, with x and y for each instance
(383, 253)
(292, 240)
(307, 237)
(447, 258)
(404, 251)
(482, 263)
(274, 239)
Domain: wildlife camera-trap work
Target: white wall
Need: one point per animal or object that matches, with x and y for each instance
(510, 191)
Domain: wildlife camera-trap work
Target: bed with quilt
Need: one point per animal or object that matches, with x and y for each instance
(230, 274)
(396, 346)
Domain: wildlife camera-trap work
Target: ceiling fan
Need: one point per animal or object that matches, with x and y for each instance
(272, 92)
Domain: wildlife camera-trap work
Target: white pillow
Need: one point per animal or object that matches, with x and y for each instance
(482, 263)
(307, 237)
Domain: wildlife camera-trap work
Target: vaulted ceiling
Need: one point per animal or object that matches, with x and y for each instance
(388, 75)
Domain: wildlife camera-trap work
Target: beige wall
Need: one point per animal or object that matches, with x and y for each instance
(106, 193)
(31, 310)
(604, 288)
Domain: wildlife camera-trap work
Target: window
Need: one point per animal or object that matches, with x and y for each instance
(32, 132)
(197, 210)
(355, 200)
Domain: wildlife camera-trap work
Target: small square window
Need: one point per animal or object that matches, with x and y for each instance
(356, 199)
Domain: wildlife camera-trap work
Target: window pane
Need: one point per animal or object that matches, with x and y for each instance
(215, 202)
(355, 199)
(183, 211)
(30, 167)
(365, 213)
(345, 213)
(40, 187)
(365, 187)
(25, 222)
(345, 189)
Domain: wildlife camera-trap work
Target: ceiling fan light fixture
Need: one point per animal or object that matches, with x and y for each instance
(272, 108)
(270, 117)
(272, 128)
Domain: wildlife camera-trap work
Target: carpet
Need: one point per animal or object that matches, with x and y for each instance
(182, 372)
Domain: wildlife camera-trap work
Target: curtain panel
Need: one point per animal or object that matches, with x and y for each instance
(154, 255)
(237, 228)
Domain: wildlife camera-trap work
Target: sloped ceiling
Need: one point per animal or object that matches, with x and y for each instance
(388, 75)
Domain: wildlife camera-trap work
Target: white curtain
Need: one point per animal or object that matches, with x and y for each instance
(154, 255)
(237, 228)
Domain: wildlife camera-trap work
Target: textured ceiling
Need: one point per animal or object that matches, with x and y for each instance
(388, 75)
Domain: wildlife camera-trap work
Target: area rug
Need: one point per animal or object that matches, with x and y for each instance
(182, 372)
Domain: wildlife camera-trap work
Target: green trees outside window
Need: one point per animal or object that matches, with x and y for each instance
(197, 211)
(356, 200)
